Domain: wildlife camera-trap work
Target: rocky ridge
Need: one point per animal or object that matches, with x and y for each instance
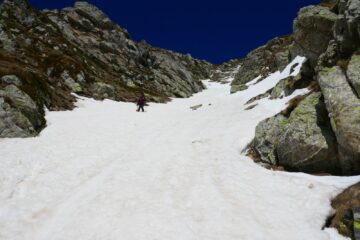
(45, 56)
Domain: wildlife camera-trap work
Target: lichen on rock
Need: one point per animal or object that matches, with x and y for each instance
(344, 109)
(308, 143)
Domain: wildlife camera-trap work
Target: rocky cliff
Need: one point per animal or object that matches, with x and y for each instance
(319, 132)
(45, 56)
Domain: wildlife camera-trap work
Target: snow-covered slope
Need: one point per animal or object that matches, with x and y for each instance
(107, 172)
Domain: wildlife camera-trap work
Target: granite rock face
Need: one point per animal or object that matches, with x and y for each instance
(344, 110)
(320, 133)
(304, 141)
(267, 136)
(19, 114)
(308, 143)
(313, 29)
(353, 73)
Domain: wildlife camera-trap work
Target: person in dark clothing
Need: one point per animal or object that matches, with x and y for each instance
(141, 102)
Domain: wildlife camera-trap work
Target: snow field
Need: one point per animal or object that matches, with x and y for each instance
(105, 172)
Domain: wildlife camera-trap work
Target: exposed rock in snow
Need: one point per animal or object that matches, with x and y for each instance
(327, 35)
(196, 107)
(307, 142)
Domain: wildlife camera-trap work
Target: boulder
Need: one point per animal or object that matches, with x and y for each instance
(267, 135)
(70, 82)
(344, 111)
(23, 103)
(307, 143)
(313, 29)
(353, 73)
(13, 124)
(237, 88)
(102, 90)
(196, 107)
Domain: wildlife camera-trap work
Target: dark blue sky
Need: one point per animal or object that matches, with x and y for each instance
(215, 30)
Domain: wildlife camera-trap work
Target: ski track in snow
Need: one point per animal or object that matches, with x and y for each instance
(106, 172)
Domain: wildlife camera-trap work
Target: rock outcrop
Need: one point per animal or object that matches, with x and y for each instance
(48, 55)
(307, 142)
(226, 72)
(19, 114)
(303, 141)
(344, 111)
(321, 134)
(353, 73)
(313, 29)
(267, 137)
(269, 58)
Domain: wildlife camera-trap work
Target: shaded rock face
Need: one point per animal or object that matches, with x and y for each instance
(267, 137)
(344, 110)
(49, 54)
(353, 73)
(347, 29)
